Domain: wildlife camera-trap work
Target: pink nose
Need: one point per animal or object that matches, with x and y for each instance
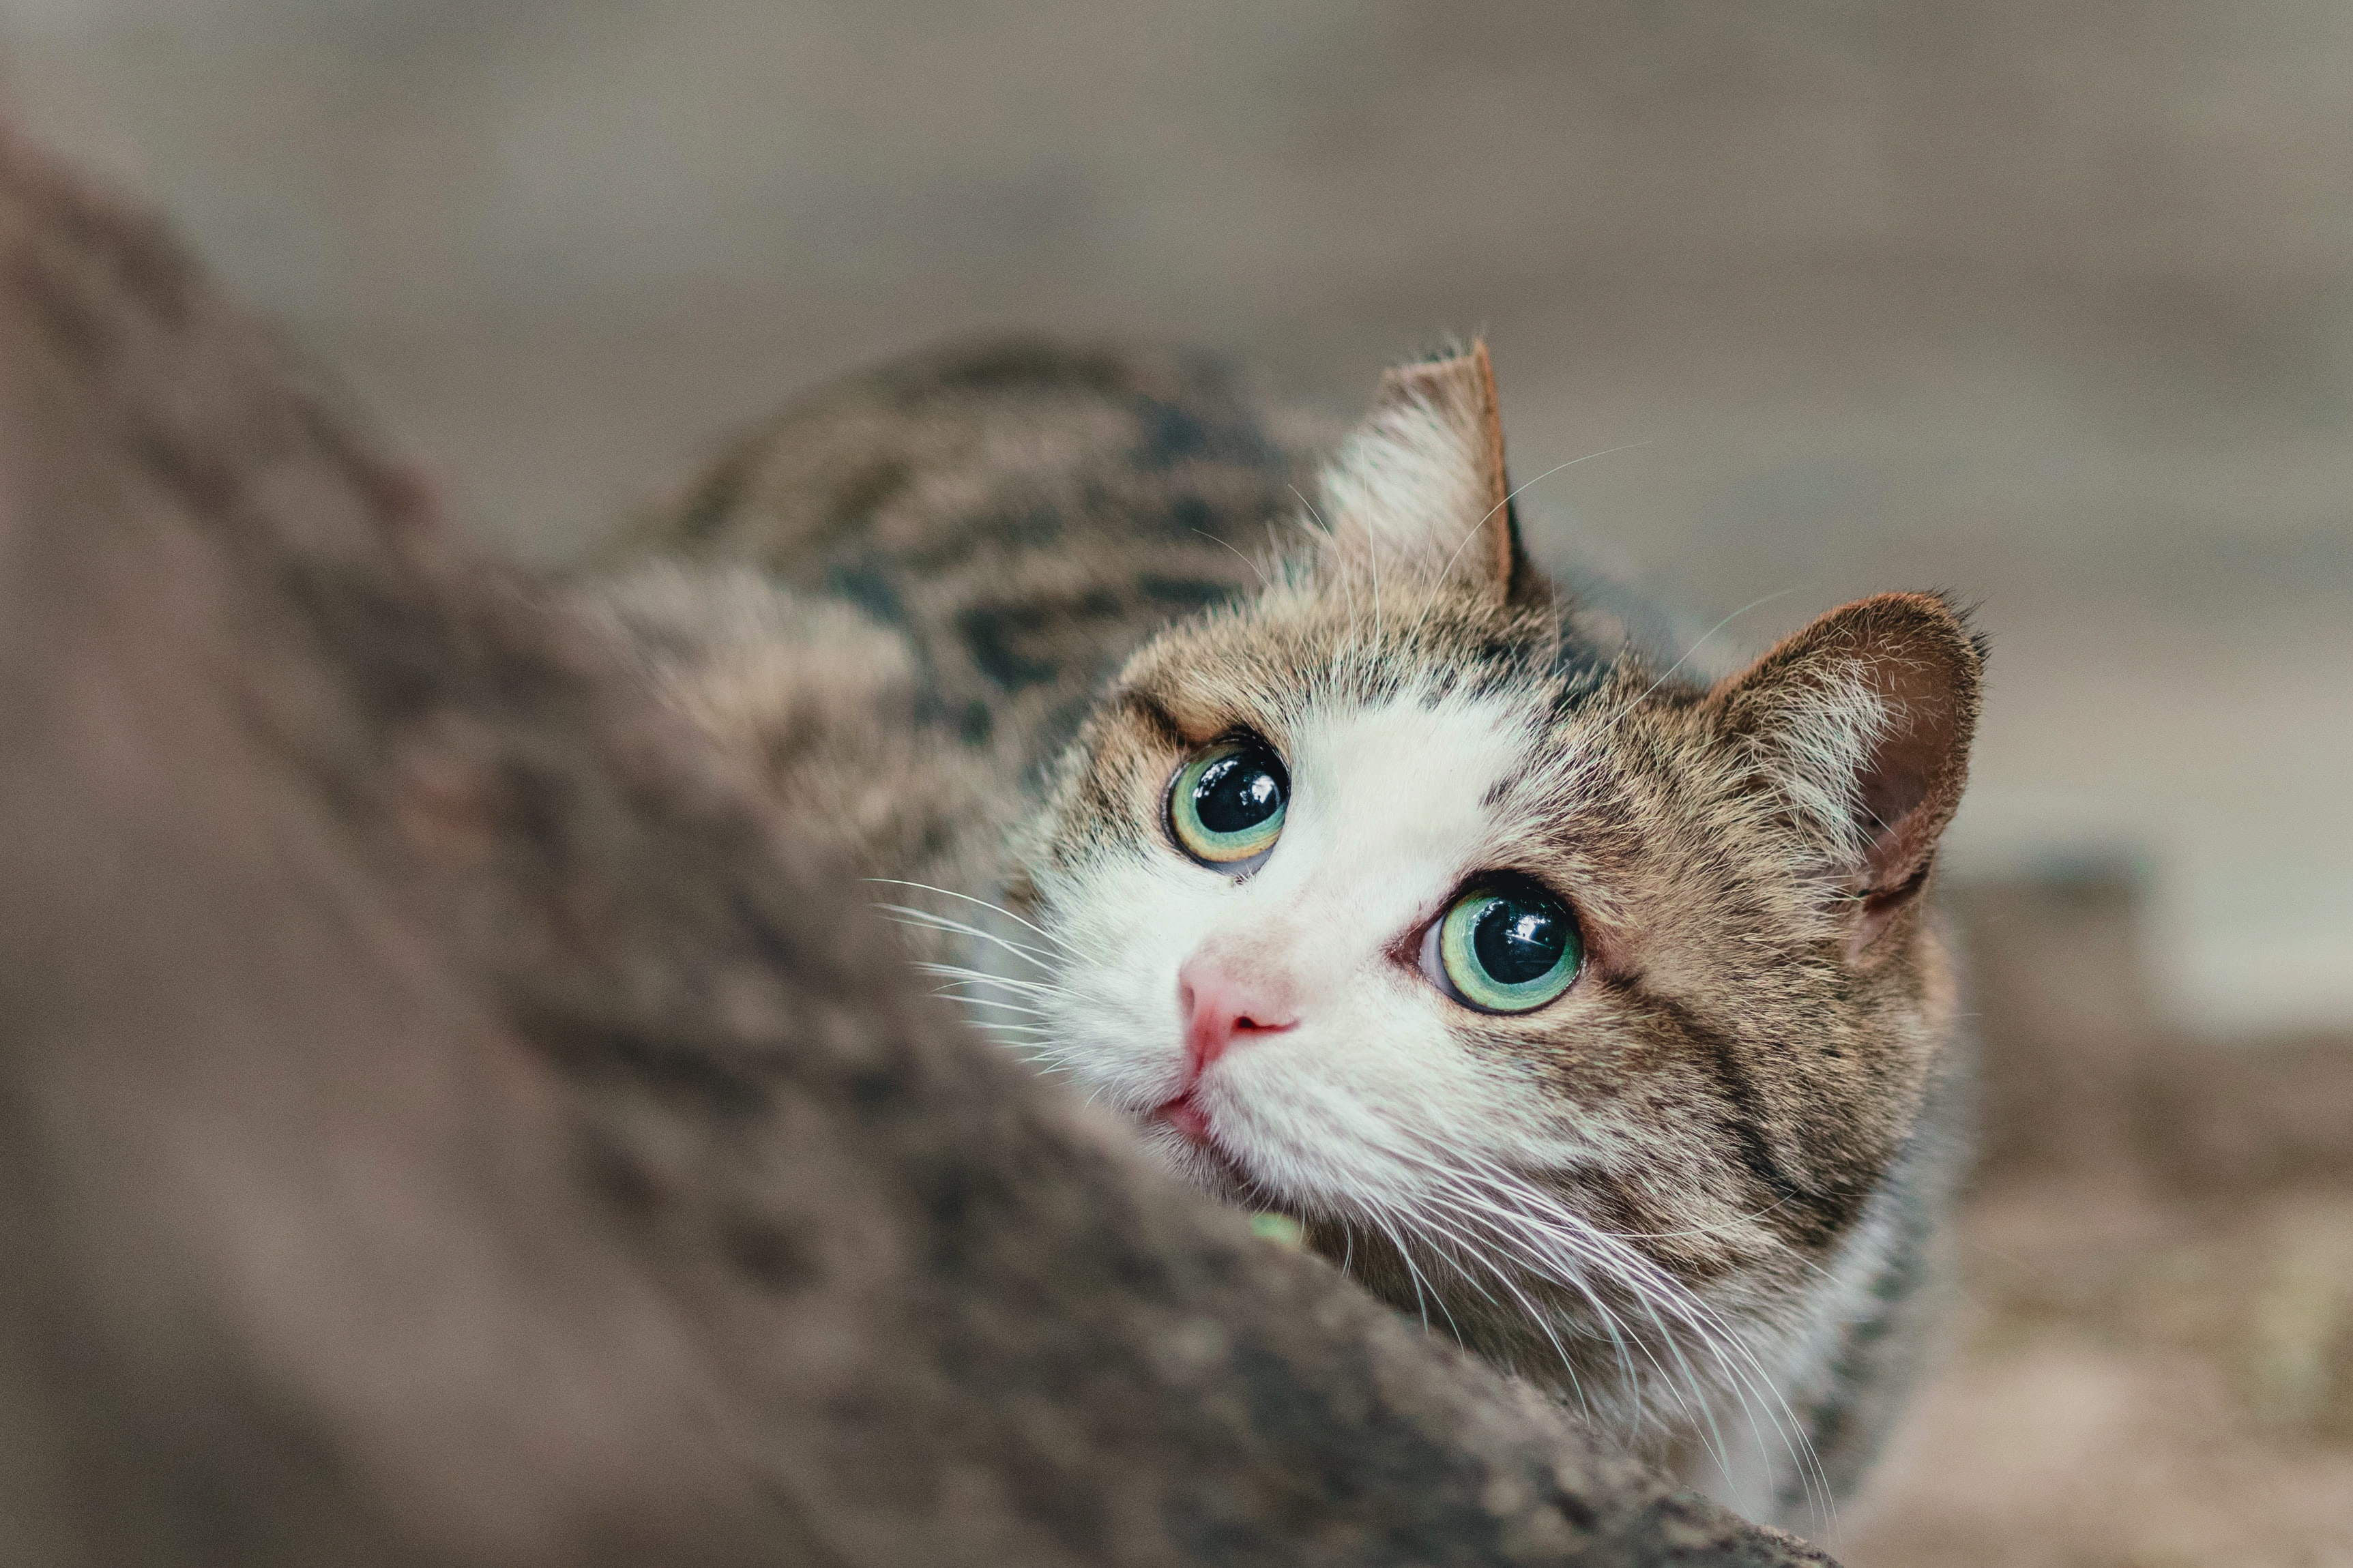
(1220, 1006)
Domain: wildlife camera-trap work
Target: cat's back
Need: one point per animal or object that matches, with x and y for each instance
(1023, 512)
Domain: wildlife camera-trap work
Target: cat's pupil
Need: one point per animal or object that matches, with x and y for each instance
(1516, 943)
(1237, 793)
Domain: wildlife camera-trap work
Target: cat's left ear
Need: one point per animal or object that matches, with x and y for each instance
(1860, 724)
(1423, 479)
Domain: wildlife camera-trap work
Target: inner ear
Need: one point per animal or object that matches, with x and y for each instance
(1862, 723)
(1919, 755)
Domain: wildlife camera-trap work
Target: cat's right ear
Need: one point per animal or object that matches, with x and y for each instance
(1860, 724)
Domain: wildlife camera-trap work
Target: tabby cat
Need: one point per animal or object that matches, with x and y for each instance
(1590, 1012)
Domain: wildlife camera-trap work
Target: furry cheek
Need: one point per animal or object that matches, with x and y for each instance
(1357, 1107)
(1134, 918)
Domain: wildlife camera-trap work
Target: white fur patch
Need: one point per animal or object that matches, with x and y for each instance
(1409, 483)
(1386, 819)
(1822, 740)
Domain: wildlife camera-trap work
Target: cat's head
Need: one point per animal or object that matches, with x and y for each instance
(1378, 900)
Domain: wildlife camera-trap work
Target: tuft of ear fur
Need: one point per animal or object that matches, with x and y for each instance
(1860, 724)
(1423, 478)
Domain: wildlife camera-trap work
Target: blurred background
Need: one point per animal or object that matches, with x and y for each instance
(2049, 306)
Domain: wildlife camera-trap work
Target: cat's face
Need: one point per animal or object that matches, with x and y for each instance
(1541, 988)
(1278, 1002)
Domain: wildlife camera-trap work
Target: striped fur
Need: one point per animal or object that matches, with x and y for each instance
(975, 609)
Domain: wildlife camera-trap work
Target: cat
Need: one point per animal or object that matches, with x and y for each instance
(1590, 1012)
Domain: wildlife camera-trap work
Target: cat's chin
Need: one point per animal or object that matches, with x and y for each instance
(1194, 1156)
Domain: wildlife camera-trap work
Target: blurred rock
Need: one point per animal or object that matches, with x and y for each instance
(2152, 1362)
(2262, 1113)
(2081, 1074)
(2062, 1014)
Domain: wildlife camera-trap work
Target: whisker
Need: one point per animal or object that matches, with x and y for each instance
(1557, 1245)
(907, 915)
(1245, 560)
(1748, 1376)
(988, 1000)
(1421, 1302)
(982, 977)
(1574, 1280)
(1541, 1319)
(1611, 722)
(1021, 1000)
(1473, 531)
(1517, 492)
(1310, 505)
(1651, 1286)
(983, 903)
(1406, 1254)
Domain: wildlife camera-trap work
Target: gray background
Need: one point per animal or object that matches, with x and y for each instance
(2051, 306)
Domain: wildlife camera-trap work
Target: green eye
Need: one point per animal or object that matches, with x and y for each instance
(1509, 947)
(1225, 805)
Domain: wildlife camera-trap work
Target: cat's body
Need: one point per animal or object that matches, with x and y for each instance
(1011, 618)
